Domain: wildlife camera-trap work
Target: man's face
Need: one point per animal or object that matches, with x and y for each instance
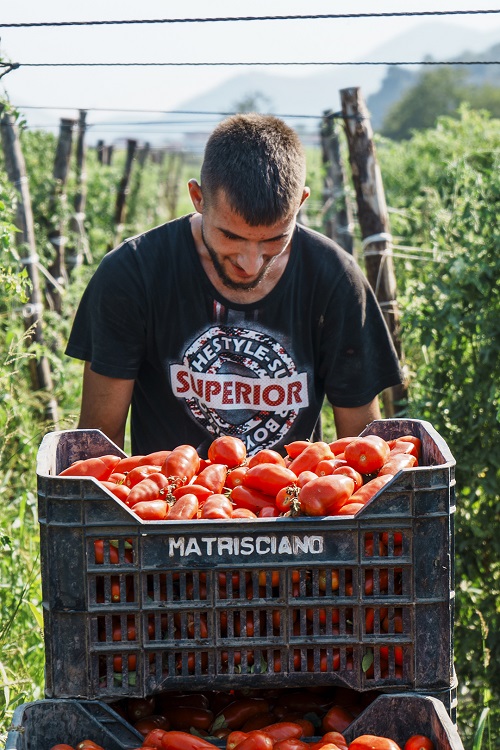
(242, 255)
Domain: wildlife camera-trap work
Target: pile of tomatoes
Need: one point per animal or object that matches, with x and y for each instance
(281, 720)
(267, 720)
(314, 479)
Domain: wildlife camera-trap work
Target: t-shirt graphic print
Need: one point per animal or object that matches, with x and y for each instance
(242, 382)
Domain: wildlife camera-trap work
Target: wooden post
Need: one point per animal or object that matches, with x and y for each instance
(40, 374)
(100, 147)
(123, 189)
(338, 212)
(142, 156)
(77, 244)
(374, 223)
(58, 208)
(174, 167)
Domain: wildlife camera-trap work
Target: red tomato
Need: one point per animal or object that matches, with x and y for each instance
(139, 708)
(295, 449)
(328, 465)
(350, 509)
(348, 471)
(154, 721)
(310, 457)
(370, 489)
(177, 740)
(184, 509)
(155, 459)
(304, 477)
(88, 745)
(404, 446)
(336, 719)
(256, 740)
(269, 478)
(283, 730)
(181, 464)
(419, 742)
(396, 462)
(246, 497)
(192, 489)
(62, 747)
(269, 511)
(184, 718)
(154, 738)
(127, 464)
(227, 450)
(241, 710)
(367, 454)
(213, 477)
(243, 513)
(139, 473)
(151, 488)
(121, 491)
(151, 510)
(288, 499)
(337, 738)
(236, 476)
(99, 468)
(266, 456)
(373, 742)
(291, 743)
(217, 506)
(325, 496)
(338, 446)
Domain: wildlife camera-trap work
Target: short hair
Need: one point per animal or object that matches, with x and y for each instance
(259, 163)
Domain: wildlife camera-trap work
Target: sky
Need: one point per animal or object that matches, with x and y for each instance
(163, 89)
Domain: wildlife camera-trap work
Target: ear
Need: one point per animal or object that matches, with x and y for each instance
(196, 195)
(305, 195)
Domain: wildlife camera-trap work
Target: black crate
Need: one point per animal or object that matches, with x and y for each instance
(400, 716)
(39, 725)
(235, 604)
(42, 724)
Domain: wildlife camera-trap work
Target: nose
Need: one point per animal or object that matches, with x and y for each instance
(251, 260)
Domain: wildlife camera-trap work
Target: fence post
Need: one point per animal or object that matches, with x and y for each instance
(123, 189)
(41, 378)
(142, 156)
(337, 210)
(57, 214)
(374, 223)
(77, 240)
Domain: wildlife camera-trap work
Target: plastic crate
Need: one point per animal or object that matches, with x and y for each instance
(39, 725)
(42, 724)
(234, 604)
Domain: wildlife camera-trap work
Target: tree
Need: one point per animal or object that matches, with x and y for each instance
(436, 92)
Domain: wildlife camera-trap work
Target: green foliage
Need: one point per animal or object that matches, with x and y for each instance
(445, 187)
(437, 92)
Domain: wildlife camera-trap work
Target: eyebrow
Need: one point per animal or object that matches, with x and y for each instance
(237, 236)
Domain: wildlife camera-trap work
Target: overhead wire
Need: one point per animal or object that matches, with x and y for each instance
(236, 19)
(255, 63)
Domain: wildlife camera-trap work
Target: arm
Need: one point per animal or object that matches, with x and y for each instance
(105, 404)
(350, 422)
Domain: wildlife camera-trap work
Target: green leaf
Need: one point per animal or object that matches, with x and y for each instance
(367, 661)
(36, 614)
(478, 737)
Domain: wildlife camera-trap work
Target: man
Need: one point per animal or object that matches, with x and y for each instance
(235, 319)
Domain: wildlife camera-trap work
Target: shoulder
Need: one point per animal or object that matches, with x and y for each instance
(325, 255)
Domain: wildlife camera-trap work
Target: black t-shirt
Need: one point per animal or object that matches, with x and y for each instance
(205, 366)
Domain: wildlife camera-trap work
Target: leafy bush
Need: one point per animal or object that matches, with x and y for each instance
(445, 186)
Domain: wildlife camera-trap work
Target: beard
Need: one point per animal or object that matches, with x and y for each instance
(227, 280)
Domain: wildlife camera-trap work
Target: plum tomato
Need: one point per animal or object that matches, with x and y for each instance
(367, 454)
(227, 450)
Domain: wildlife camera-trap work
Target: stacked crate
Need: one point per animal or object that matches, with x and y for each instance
(132, 607)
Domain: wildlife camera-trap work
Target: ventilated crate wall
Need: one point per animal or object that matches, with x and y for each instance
(40, 725)
(365, 602)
